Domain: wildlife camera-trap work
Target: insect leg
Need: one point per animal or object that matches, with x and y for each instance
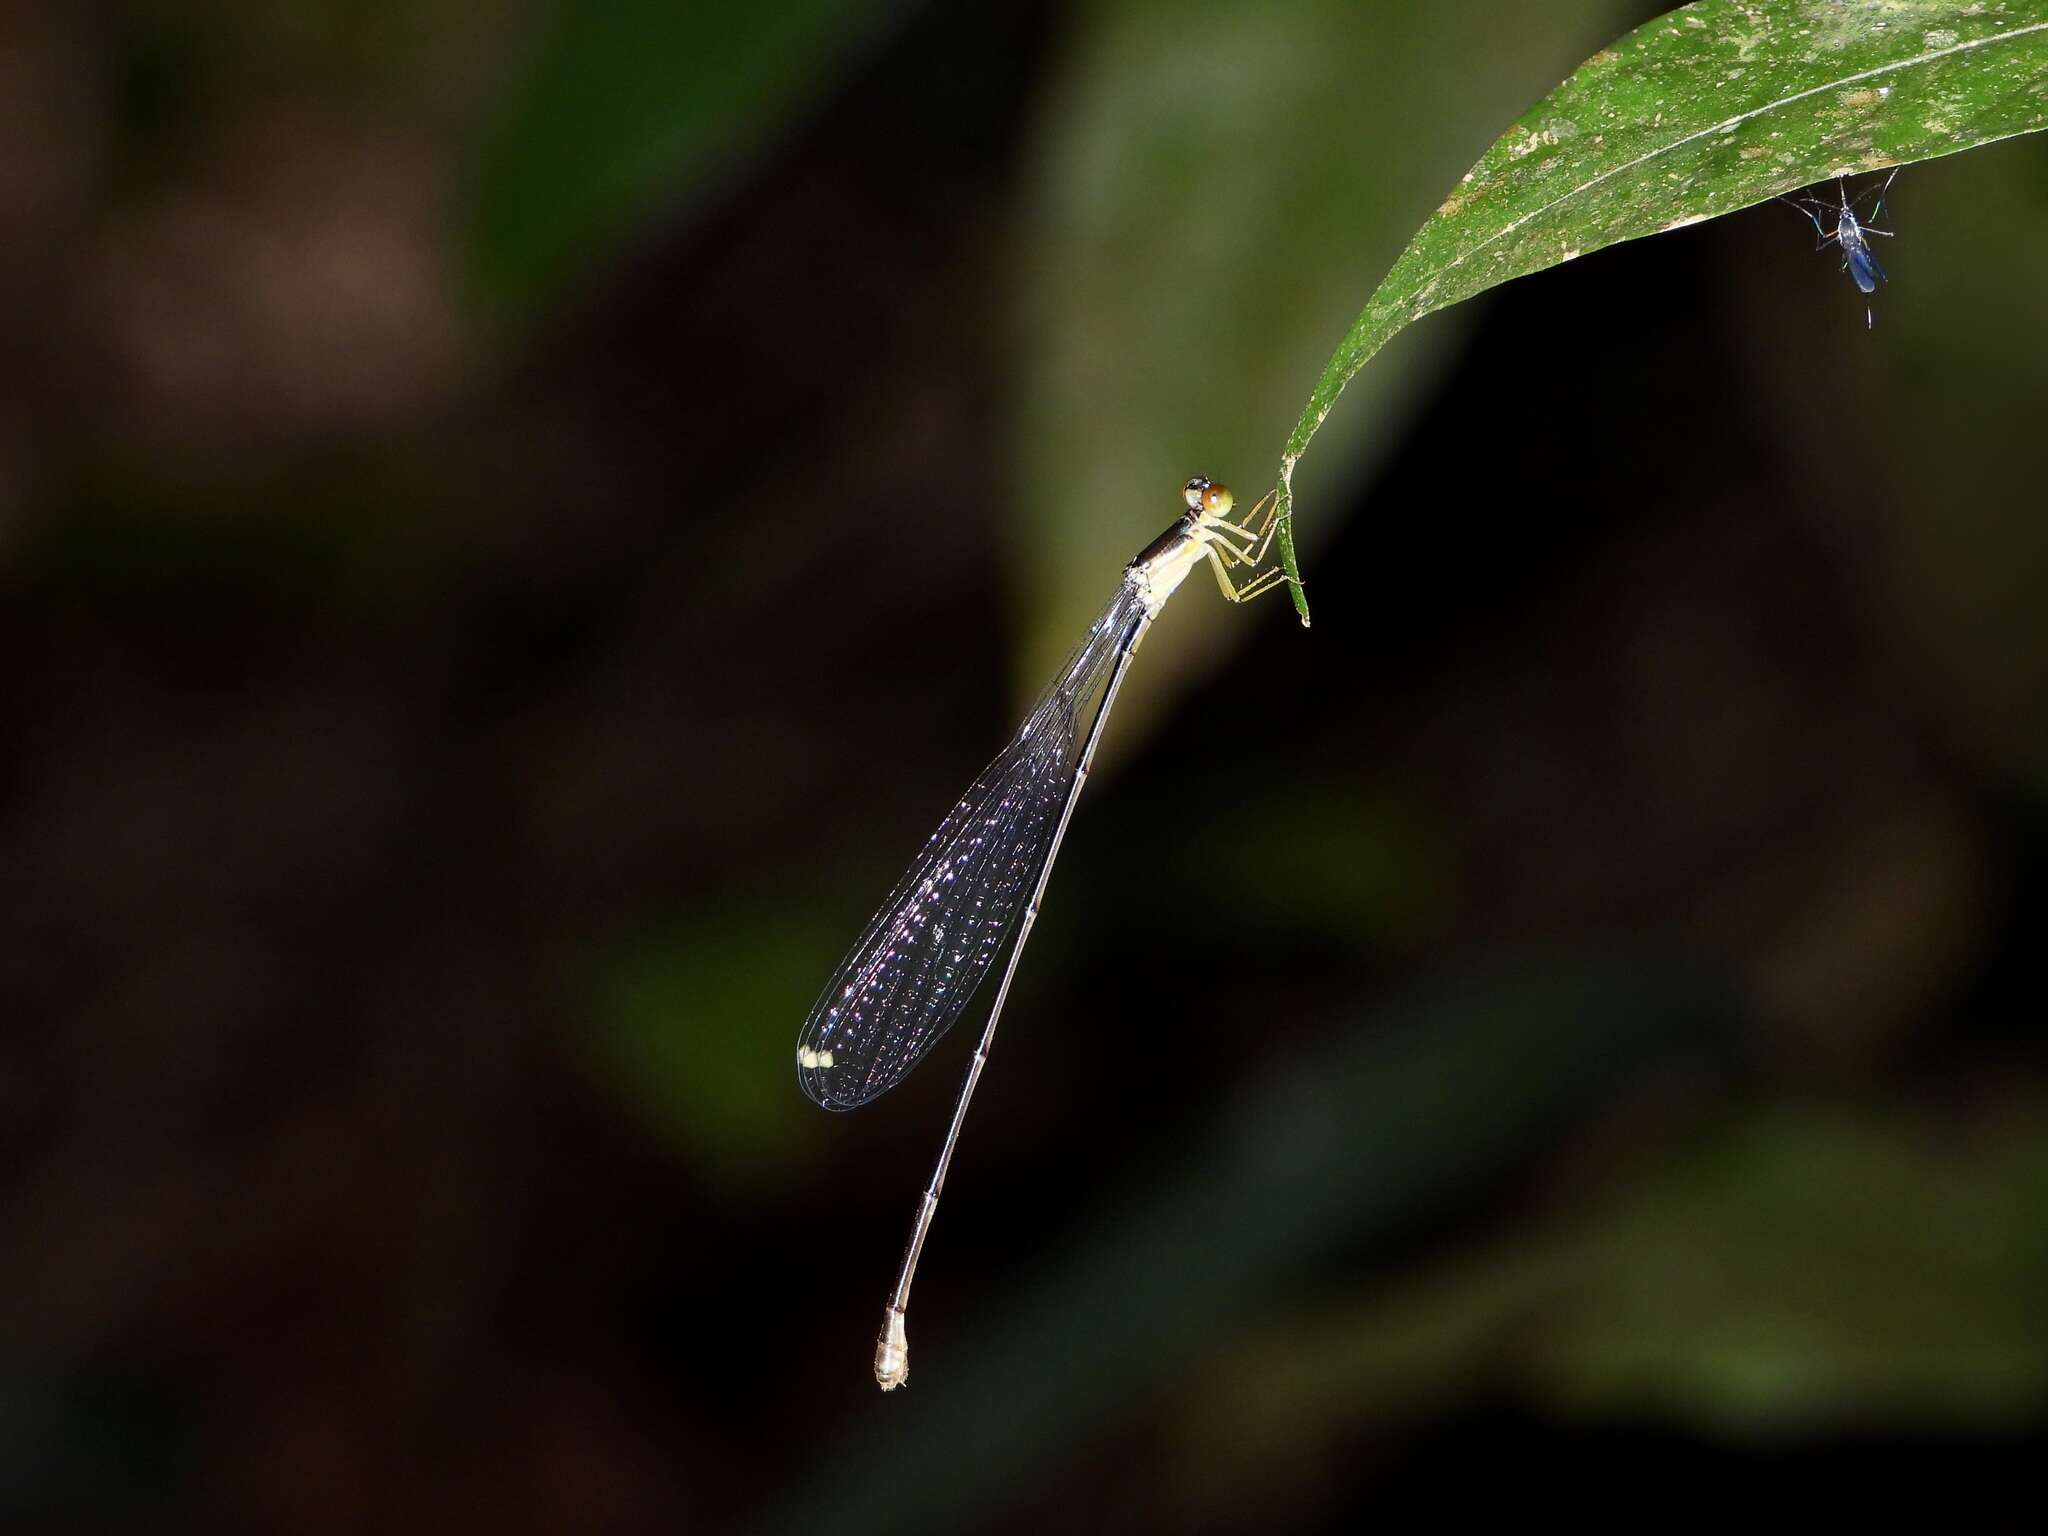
(1878, 212)
(1812, 218)
(1263, 582)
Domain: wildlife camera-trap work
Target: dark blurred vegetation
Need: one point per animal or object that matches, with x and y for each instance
(506, 545)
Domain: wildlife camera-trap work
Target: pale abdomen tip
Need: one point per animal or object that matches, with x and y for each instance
(892, 1352)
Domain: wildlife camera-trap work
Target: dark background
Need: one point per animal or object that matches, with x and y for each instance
(1564, 1031)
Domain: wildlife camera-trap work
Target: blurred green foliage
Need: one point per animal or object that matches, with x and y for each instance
(1807, 1266)
(686, 1031)
(1340, 859)
(636, 110)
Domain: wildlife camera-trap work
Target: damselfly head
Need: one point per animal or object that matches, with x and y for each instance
(1207, 498)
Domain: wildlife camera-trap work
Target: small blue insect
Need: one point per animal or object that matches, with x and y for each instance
(1858, 259)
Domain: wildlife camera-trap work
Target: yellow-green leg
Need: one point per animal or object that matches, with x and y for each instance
(1264, 582)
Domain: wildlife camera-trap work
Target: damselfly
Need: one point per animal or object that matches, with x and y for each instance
(1858, 259)
(924, 953)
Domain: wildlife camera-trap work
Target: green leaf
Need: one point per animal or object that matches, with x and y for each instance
(1711, 108)
(631, 106)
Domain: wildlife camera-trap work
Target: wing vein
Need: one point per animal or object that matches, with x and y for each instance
(922, 956)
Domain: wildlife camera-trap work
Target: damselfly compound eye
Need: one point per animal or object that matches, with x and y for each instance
(1217, 501)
